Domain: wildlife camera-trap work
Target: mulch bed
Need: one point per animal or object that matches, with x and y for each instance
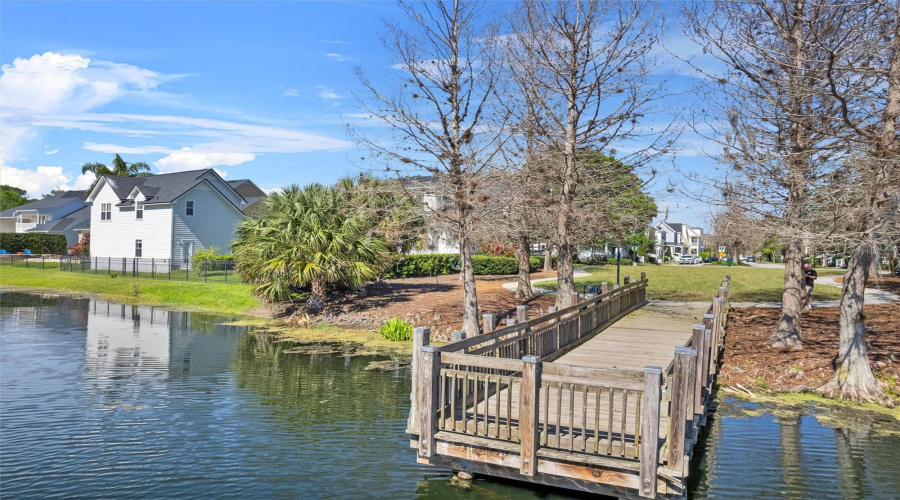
(435, 302)
(749, 361)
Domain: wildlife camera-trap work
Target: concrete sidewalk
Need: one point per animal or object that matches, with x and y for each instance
(873, 296)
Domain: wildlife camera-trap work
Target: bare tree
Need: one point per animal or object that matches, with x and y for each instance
(864, 76)
(780, 124)
(441, 114)
(581, 67)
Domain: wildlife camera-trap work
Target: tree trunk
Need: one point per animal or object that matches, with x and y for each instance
(548, 257)
(317, 296)
(788, 332)
(565, 271)
(470, 298)
(523, 255)
(853, 378)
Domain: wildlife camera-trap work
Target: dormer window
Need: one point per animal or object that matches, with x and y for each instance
(189, 208)
(138, 210)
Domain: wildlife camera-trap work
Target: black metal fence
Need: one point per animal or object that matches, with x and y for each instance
(196, 270)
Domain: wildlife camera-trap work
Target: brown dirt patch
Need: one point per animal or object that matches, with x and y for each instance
(435, 302)
(749, 361)
(886, 283)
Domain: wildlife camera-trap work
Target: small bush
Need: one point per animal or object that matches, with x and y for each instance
(207, 260)
(38, 243)
(396, 330)
(705, 255)
(438, 264)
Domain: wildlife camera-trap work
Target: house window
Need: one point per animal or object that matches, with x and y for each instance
(105, 211)
(138, 211)
(189, 208)
(138, 247)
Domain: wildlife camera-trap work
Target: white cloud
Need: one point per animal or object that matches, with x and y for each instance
(272, 190)
(337, 57)
(63, 83)
(126, 150)
(43, 179)
(292, 93)
(329, 95)
(188, 159)
(50, 151)
(335, 42)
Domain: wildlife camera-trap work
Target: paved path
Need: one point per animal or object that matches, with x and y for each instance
(873, 296)
(512, 285)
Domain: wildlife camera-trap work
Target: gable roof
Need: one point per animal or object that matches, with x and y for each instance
(678, 227)
(160, 188)
(48, 203)
(80, 219)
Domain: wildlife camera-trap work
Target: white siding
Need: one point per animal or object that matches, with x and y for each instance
(213, 223)
(115, 237)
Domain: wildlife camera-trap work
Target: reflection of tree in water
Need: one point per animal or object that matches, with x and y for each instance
(21, 299)
(318, 389)
(791, 456)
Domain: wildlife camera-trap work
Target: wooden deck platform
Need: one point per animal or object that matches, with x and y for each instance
(603, 397)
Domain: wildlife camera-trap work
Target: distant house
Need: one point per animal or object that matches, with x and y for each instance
(53, 214)
(679, 239)
(252, 194)
(439, 236)
(73, 226)
(162, 218)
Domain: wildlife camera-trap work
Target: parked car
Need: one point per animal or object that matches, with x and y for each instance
(689, 259)
(750, 258)
(709, 260)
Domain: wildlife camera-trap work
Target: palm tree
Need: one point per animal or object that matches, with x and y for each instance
(120, 167)
(307, 238)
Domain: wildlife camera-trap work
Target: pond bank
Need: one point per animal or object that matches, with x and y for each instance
(751, 366)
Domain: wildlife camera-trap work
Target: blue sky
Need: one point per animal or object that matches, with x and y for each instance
(256, 90)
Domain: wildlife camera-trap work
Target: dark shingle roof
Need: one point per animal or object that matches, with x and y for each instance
(161, 188)
(676, 226)
(47, 203)
(80, 219)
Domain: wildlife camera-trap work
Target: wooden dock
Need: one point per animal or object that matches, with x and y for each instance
(605, 397)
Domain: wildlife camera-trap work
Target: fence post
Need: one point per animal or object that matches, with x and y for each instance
(457, 337)
(626, 279)
(225, 265)
(421, 338)
(205, 269)
(643, 276)
(719, 311)
(187, 270)
(699, 344)
(681, 413)
(529, 402)
(152, 268)
(575, 298)
(490, 321)
(95, 265)
(649, 452)
(521, 314)
(712, 349)
(428, 395)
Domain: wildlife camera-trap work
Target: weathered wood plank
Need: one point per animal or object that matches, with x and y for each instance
(649, 453)
(528, 414)
(682, 410)
(455, 358)
(429, 376)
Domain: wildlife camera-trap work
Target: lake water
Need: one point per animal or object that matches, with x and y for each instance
(98, 399)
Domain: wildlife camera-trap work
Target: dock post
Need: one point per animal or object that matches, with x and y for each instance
(522, 317)
(723, 294)
(643, 276)
(698, 342)
(719, 311)
(626, 279)
(604, 287)
(575, 298)
(429, 392)
(421, 338)
(521, 314)
(650, 431)
(682, 410)
(457, 337)
(528, 414)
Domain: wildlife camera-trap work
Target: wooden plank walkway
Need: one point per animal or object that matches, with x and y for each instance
(645, 337)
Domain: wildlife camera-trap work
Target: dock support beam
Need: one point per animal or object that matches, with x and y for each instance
(650, 431)
(682, 406)
(528, 414)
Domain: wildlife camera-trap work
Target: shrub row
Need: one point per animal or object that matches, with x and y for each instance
(36, 242)
(436, 264)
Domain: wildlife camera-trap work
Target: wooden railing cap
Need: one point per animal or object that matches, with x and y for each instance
(429, 348)
(710, 316)
(718, 299)
(652, 370)
(685, 350)
(531, 359)
(699, 326)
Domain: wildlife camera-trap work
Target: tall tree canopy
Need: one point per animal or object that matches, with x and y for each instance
(119, 167)
(11, 197)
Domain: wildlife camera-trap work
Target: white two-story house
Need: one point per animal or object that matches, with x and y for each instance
(162, 220)
(680, 239)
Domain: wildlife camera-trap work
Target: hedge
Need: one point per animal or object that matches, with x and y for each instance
(436, 264)
(38, 243)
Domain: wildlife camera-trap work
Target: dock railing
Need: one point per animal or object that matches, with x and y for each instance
(500, 399)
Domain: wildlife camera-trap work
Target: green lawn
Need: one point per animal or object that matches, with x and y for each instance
(222, 298)
(699, 283)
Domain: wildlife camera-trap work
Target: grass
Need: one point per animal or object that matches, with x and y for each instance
(365, 342)
(699, 283)
(214, 297)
